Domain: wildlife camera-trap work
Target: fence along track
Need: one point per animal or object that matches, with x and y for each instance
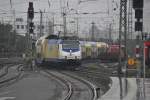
(67, 83)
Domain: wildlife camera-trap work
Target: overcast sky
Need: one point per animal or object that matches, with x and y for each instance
(147, 15)
(102, 19)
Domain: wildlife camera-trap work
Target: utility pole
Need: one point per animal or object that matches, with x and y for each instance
(14, 15)
(92, 37)
(77, 27)
(30, 29)
(122, 31)
(110, 32)
(41, 23)
(122, 27)
(53, 28)
(27, 35)
(138, 7)
(130, 21)
(64, 23)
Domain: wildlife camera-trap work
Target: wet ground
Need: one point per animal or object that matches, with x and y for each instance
(32, 86)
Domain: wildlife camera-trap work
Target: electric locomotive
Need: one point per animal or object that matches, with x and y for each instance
(53, 50)
(70, 51)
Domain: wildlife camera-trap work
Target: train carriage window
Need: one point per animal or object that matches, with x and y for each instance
(148, 53)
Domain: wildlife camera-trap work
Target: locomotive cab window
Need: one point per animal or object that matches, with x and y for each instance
(70, 44)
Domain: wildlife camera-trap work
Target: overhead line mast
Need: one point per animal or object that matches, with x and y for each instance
(123, 27)
(41, 23)
(130, 20)
(122, 31)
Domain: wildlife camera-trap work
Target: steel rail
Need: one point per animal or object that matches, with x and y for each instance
(90, 85)
(64, 81)
(6, 67)
(20, 66)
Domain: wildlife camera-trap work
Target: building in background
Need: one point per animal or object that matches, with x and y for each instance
(21, 27)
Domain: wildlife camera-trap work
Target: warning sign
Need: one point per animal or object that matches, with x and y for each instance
(131, 61)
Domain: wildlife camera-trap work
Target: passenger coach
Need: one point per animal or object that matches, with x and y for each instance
(147, 52)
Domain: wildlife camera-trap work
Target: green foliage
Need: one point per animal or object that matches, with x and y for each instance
(20, 44)
(10, 43)
(7, 37)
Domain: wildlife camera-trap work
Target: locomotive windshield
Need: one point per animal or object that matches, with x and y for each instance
(70, 44)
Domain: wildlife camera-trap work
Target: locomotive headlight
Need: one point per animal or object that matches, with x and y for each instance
(75, 57)
(65, 57)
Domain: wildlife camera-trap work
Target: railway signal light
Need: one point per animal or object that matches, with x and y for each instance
(31, 30)
(137, 51)
(132, 63)
(31, 27)
(138, 26)
(138, 13)
(31, 24)
(31, 10)
(138, 4)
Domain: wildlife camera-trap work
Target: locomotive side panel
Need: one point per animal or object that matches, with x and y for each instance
(147, 52)
(52, 49)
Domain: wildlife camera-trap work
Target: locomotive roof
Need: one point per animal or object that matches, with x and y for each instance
(90, 43)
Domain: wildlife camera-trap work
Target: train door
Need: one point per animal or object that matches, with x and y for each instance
(98, 52)
(93, 51)
(147, 55)
(83, 50)
(88, 52)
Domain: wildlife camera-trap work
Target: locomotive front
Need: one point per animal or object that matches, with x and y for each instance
(70, 51)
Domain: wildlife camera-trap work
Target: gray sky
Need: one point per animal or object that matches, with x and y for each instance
(102, 19)
(54, 6)
(147, 15)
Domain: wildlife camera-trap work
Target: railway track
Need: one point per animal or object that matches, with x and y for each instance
(6, 78)
(77, 88)
(90, 85)
(61, 81)
(99, 75)
(96, 73)
(101, 69)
